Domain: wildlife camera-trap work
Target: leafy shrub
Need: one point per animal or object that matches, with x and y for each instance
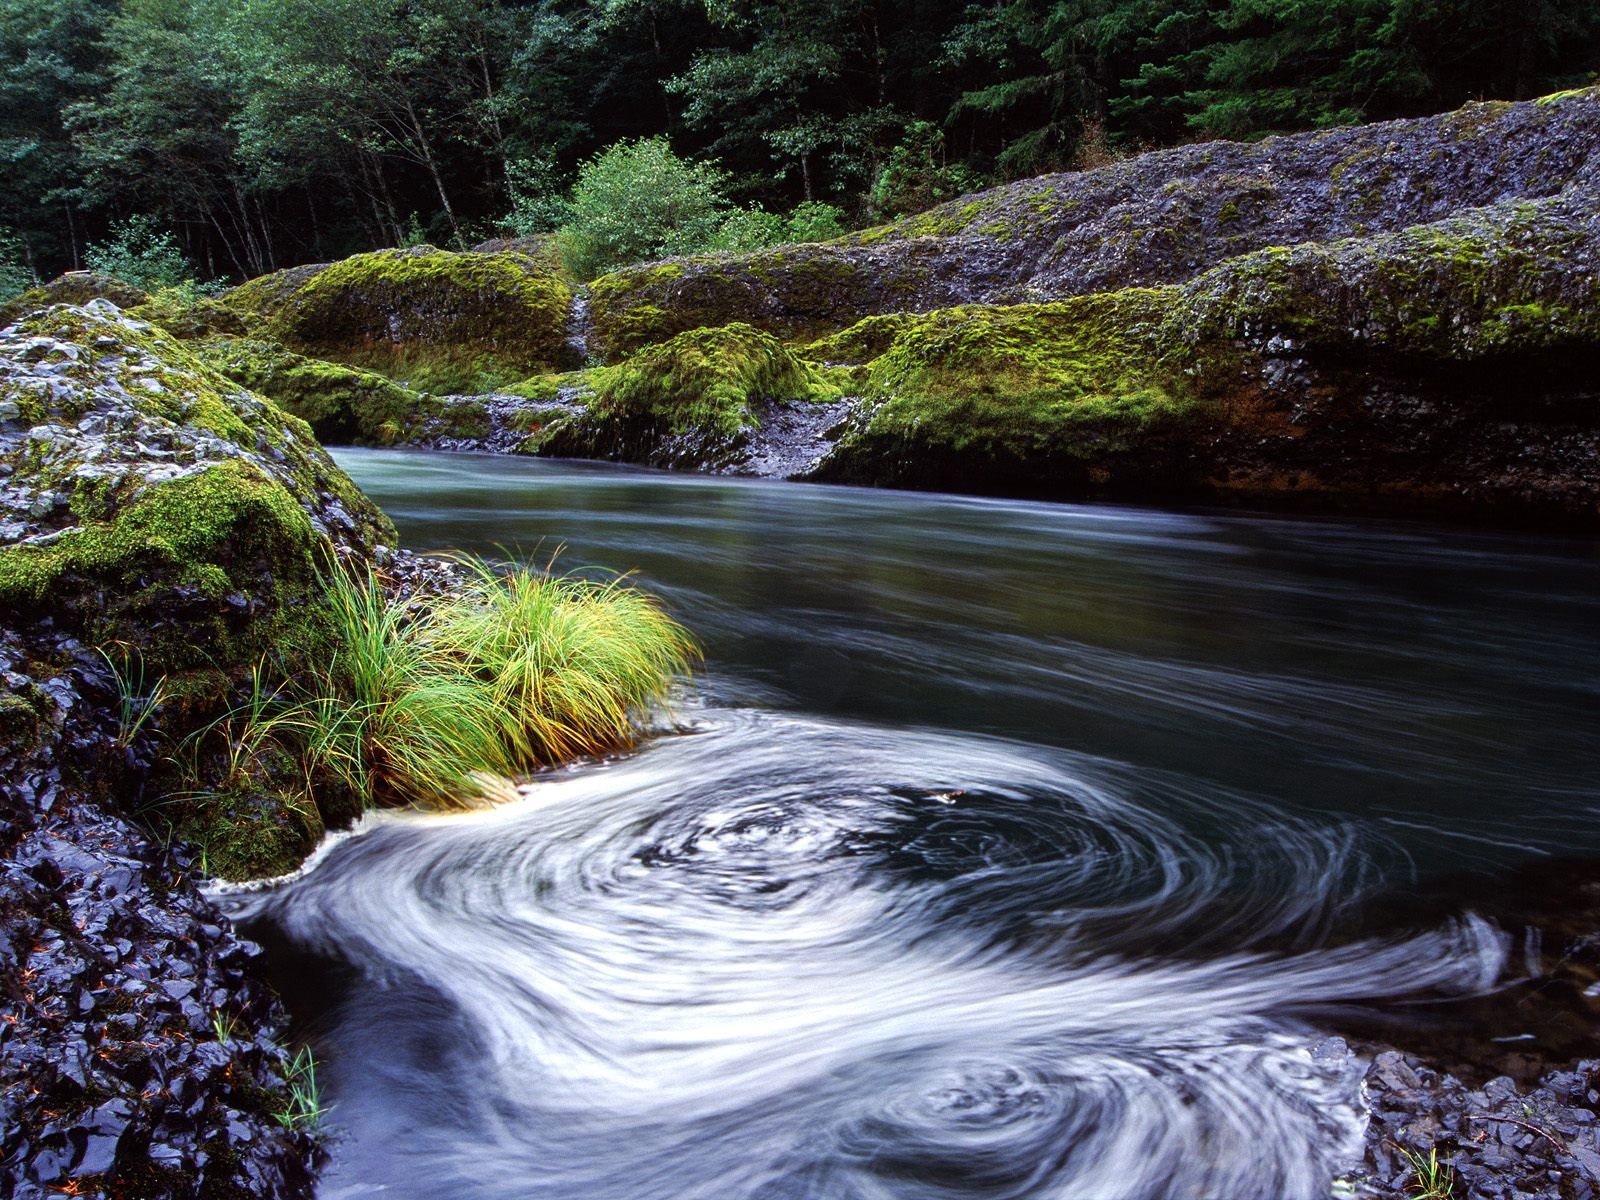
(16, 276)
(141, 253)
(536, 203)
(916, 177)
(750, 228)
(638, 201)
(814, 221)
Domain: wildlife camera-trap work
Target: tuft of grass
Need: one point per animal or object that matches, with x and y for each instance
(419, 703)
(305, 1109)
(136, 702)
(1431, 1179)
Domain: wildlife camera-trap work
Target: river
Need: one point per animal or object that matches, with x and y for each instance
(1001, 849)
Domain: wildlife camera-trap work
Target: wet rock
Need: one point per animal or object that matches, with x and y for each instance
(1500, 1140)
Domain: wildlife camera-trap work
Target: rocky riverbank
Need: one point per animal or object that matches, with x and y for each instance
(160, 534)
(1401, 319)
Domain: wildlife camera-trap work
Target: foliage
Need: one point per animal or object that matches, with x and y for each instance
(638, 201)
(264, 133)
(16, 276)
(536, 203)
(423, 702)
(748, 229)
(814, 221)
(141, 253)
(917, 175)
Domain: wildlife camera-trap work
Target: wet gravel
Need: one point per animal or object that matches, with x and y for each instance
(1498, 1141)
(142, 1054)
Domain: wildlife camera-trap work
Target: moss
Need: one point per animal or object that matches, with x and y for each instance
(702, 387)
(1075, 379)
(342, 404)
(862, 342)
(1570, 93)
(705, 380)
(187, 316)
(1491, 282)
(249, 832)
(192, 547)
(796, 292)
(438, 320)
(75, 287)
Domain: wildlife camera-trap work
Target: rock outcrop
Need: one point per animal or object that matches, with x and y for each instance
(438, 320)
(1401, 318)
(161, 533)
(1159, 218)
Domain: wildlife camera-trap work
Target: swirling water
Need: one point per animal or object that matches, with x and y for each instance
(1003, 849)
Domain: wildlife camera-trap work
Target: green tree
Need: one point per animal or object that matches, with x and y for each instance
(51, 57)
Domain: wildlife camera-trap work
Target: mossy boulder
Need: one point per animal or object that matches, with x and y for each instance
(691, 401)
(265, 296)
(796, 292)
(1024, 398)
(344, 405)
(75, 287)
(1158, 218)
(1448, 367)
(437, 320)
(152, 507)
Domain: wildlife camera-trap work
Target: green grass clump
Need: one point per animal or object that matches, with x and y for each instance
(424, 704)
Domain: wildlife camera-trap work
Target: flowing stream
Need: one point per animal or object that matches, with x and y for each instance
(1001, 850)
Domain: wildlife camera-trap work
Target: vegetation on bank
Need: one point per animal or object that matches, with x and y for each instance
(432, 701)
(193, 529)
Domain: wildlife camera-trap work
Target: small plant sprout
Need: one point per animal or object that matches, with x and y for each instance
(1431, 1179)
(136, 703)
(305, 1109)
(223, 1024)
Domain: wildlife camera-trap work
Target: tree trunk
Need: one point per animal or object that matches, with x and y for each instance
(433, 168)
(72, 234)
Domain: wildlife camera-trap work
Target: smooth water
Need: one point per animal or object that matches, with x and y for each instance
(1002, 850)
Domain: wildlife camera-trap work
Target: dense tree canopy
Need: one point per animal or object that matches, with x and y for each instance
(260, 133)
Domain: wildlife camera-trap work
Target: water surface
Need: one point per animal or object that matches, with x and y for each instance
(1001, 850)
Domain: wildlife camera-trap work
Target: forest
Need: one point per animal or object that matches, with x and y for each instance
(221, 139)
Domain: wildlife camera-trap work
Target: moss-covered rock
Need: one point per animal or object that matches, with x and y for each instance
(1159, 218)
(1446, 367)
(149, 503)
(795, 292)
(1025, 398)
(441, 321)
(690, 401)
(343, 405)
(187, 315)
(75, 287)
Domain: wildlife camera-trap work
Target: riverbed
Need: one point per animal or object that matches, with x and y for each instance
(1000, 849)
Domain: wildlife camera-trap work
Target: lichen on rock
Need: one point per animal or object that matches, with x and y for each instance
(148, 502)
